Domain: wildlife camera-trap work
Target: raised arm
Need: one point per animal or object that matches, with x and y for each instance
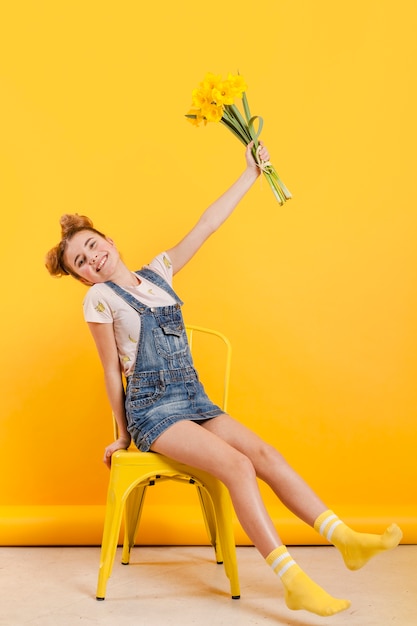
(218, 212)
(103, 336)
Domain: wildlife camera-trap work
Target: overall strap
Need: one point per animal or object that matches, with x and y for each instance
(155, 278)
(127, 297)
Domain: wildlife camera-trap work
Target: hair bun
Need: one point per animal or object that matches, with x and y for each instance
(70, 223)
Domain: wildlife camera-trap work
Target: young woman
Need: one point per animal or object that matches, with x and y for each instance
(136, 322)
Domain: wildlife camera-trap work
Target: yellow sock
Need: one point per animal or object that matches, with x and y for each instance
(356, 548)
(300, 591)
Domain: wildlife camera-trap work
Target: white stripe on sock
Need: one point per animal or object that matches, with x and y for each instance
(278, 560)
(286, 566)
(324, 524)
(331, 529)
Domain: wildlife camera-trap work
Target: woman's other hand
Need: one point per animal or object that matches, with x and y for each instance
(122, 443)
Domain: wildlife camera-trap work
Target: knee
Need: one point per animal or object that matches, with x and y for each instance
(268, 453)
(267, 458)
(239, 468)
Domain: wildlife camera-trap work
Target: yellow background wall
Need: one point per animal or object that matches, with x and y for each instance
(318, 297)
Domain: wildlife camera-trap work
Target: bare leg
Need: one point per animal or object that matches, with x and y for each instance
(271, 467)
(189, 443)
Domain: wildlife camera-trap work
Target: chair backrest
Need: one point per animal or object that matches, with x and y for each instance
(212, 355)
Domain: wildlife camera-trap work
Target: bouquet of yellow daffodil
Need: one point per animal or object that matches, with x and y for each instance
(213, 101)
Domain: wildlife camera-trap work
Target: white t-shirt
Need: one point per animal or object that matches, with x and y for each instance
(103, 306)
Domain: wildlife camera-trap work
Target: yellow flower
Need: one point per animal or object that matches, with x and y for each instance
(237, 84)
(224, 93)
(195, 118)
(212, 113)
(200, 98)
(211, 81)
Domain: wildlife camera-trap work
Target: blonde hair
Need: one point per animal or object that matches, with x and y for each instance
(70, 225)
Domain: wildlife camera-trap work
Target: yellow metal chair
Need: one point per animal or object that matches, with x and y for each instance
(133, 471)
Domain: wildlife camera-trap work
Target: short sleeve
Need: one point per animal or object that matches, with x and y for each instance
(162, 264)
(96, 307)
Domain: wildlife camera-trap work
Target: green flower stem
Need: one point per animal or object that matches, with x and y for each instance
(235, 114)
(237, 134)
(243, 132)
(238, 125)
(246, 107)
(280, 191)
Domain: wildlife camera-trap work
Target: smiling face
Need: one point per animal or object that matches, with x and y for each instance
(91, 257)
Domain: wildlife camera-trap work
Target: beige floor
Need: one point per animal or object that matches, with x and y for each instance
(183, 585)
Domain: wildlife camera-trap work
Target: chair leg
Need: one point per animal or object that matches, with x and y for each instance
(210, 521)
(224, 511)
(133, 513)
(112, 523)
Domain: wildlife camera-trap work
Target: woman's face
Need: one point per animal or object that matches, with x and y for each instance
(92, 257)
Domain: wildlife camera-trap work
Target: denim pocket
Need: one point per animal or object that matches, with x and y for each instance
(144, 390)
(171, 340)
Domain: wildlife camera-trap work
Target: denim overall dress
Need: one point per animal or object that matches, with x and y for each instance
(164, 387)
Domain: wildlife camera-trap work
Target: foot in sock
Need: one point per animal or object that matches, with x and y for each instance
(303, 593)
(356, 548)
(300, 591)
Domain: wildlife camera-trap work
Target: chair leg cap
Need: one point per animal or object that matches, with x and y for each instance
(233, 598)
(100, 599)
